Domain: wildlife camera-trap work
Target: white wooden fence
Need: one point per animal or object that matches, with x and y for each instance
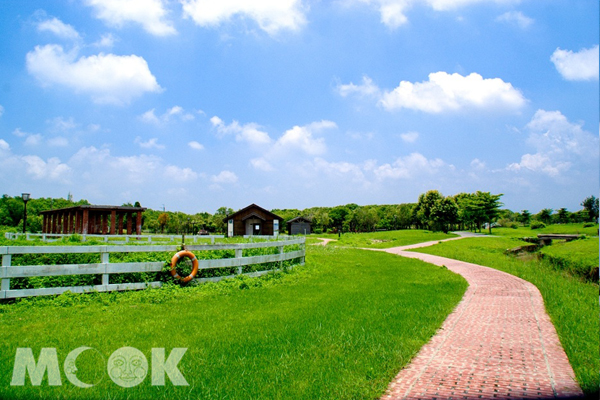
(106, 268)
(51, 237)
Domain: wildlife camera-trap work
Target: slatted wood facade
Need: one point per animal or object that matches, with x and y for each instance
(246, 221)
(299, 226)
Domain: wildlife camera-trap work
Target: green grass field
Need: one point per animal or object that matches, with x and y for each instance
(571, 303)
(578, 257)
(524, 231)
(385, 239)
(340, 327)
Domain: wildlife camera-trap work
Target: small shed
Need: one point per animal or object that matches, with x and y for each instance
(253, 220)
(299, 226)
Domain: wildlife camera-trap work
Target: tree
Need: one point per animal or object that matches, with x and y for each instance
(590, 204)
(563, 216)
(422, 211)
(483, 207)
(524, 217)
(545, 215)
(444, 213)
(163, 220)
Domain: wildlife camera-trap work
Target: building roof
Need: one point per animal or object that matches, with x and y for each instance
(300, 219)
(251, 206)
(91, 207)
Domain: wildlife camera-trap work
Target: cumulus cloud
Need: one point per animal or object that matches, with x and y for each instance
(108, 78)
(249, 133)
(558, 144)
(51, 169)
(393, 12)
(149, 144)
(34, 140)
(407, 167)
(301, 137)
(452, 92)
(409, 137)
(1, 111)
(225, 177)
(58, 28)
(196, 145)
(178, 174)
(261, 164)
(516, 18)
(150, 14)
(107, 40)
(577, 66)
(174, 112)
(58, 141)
(367, 88)
(272, 16)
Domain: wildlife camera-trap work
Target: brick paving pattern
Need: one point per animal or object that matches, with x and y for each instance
(498, 343)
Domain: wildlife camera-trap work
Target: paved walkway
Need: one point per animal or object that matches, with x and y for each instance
(498, 343)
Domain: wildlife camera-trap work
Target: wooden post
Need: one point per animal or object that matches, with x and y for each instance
(5, 285)
(45, 224)
(104, 258)
(119, 224)
(129, 223)
(280, 256)
(138, 223)
(113, 222)
(104, 218)
(85, 222)
(78, 221)
(238, 254)
(53, 229)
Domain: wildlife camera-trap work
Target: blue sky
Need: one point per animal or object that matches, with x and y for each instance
(196, 104)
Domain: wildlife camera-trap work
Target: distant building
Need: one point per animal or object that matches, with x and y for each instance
(299, 226)
(90, 219)
(253, 220)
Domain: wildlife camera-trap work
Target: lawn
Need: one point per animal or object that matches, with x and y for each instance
(340, 327)
(578, 257)
(571, 303)
(525, 231)
(385, 239)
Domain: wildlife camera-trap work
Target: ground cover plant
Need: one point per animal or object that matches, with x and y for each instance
(571, 303)
(578, 257)
(385, 239)
(526, 231)
(340, 327)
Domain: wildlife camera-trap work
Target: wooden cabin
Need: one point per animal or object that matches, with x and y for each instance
(299, 226)
(253, 220)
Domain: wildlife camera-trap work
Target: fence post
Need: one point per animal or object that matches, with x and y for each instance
(5, 285)
(280, 256)
(104, 259)
(238, 254)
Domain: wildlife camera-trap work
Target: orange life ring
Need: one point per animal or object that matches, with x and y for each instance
(175, 260)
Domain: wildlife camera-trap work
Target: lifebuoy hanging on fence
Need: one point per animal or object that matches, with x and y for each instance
(175, 260)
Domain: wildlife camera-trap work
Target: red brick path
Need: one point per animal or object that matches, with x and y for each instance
(498, 343)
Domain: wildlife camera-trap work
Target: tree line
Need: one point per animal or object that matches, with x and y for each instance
(433, 211)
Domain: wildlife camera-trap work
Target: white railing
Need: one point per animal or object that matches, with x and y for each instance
(106, 268)
(52, 237)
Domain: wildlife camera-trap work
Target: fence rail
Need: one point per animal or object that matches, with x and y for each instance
(51, 237)
(106, 268)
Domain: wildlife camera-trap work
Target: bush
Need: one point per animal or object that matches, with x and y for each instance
(537, 225)
(588, 224)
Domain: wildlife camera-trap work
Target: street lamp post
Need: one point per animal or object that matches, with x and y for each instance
(25, 197)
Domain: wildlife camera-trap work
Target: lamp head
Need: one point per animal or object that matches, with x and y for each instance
(25, 196)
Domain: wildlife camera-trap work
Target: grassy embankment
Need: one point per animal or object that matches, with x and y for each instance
(571, 302)
(340, 327)
(383, 240)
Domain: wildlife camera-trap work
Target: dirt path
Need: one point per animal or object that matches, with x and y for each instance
(324, 241)
(498, 343)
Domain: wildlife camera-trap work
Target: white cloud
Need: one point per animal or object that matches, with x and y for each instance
(175, 173)
(301, 137)
(409, 137)
(340, 169)
(393, 12)
(51, 169)
(107, 40)
(249, 133)
(1, 110)
(476, 163)
(517, 18)
(225, 177)
(151, 14)
(175, 111)
(108, 78)
(60, 124)
(367, 88)
(272, 16)
(150, 144)
(261, 164)
(58, 28)
(19, 133)
(451, 92)
(580, 66)
(559, 145)
(58, 141)
(34, 140)
(4, 146)
(414, 164)
(196, 145)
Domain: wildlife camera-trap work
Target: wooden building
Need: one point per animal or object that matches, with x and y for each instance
(90, 219)
(299, 226)
(253, 220)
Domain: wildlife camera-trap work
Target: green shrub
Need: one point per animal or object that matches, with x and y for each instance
(588, 224)
(537, 225)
